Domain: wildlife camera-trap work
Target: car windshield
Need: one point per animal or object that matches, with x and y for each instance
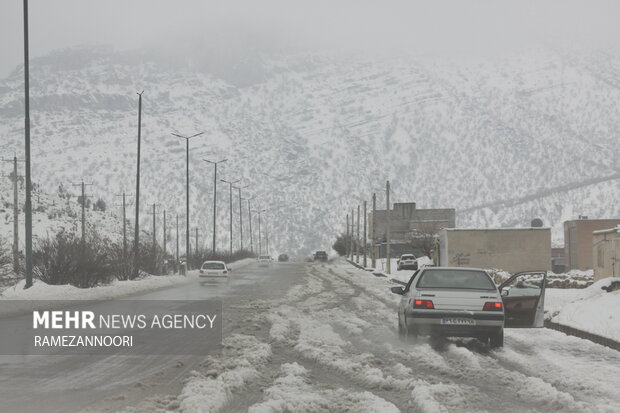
(213, 266)
(460, 279)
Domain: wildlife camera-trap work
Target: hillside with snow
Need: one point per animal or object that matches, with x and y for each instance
(503, 141)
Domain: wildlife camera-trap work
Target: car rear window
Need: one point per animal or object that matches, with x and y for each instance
(407, 257)
(263, 257)
(461, 279)
(213, 266)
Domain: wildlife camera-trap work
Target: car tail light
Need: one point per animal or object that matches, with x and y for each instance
(493, 306)
(423, 304)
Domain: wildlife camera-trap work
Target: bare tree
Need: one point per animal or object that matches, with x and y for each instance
(424, 236)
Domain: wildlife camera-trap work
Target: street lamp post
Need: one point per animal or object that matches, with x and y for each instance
(241, 216)
(187, 138)
(214, 163)
(230, 184)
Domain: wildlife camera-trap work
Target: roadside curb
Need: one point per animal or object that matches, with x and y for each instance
(376, 273)
(571, 331)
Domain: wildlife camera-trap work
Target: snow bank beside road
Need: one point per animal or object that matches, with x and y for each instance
(43, 291)
(590, 309)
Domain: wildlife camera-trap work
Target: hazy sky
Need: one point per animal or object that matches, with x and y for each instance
(442, 26)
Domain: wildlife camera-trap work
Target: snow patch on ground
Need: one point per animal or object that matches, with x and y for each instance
(590, 309)
(292, 392)
(242, 358)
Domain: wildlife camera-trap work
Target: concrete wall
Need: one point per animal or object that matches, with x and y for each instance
(510, 249)
(606, 254)
(578, 240)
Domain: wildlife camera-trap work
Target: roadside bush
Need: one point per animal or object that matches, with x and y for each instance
(65, 259)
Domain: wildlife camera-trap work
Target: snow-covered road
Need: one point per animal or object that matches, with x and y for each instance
(323, 338)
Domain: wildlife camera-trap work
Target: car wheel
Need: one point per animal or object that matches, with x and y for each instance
(497, 340)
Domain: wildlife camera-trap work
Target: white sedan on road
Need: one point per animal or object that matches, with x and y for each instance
(264, 260)
(214, 271)
(465, 302)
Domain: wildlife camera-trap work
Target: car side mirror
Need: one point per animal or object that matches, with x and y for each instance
(398, 290)
(505, 293)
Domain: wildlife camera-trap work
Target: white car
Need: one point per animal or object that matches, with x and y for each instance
(214, 271)
(465, 302)
(264, 260)
(407, 262)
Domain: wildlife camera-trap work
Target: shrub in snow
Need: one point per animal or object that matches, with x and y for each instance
(65, 259)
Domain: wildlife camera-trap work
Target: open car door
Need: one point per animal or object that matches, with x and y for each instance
(523, 295)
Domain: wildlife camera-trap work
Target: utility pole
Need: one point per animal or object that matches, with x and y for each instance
(372, 229)
(267, 237)
(230, 184)
(196, 246)
(165, 240)
(260, 245)
(241, 216)
(14, 177)
(357, 238)
(124, 226)
(387, 209)
(136, 237)
(351, 241)
(214, 163)
(250, 220)
(177, 262)
(154, 227)
(187, 138)
(28, 204)
(365, 239)
(82, 184)
(346, 240)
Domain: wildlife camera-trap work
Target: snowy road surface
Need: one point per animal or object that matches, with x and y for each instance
(322, 338)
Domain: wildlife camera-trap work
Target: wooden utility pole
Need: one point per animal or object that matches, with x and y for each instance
(372, 229)
(387, 210)
(82, 184)
(364, 243)
(124, 205)
(357, 238)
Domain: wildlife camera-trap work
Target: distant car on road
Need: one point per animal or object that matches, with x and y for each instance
(214, 271)
(282, 258)
(320, 256)
(264, 260)
(407, 262)
(465, 302)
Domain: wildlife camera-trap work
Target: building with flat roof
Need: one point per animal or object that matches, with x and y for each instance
(578, 241)
(606, 253)
(406, 222)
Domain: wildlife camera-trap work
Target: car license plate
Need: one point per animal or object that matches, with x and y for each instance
(459, 321)
(212, 273)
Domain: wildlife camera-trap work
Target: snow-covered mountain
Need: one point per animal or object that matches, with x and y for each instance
(502, 141)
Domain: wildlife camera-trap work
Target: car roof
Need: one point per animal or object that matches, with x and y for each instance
(213, 262)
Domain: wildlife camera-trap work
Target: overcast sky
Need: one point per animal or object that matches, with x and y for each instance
(441, 26)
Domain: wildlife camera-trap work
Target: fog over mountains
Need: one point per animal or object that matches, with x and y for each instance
(503, 141)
